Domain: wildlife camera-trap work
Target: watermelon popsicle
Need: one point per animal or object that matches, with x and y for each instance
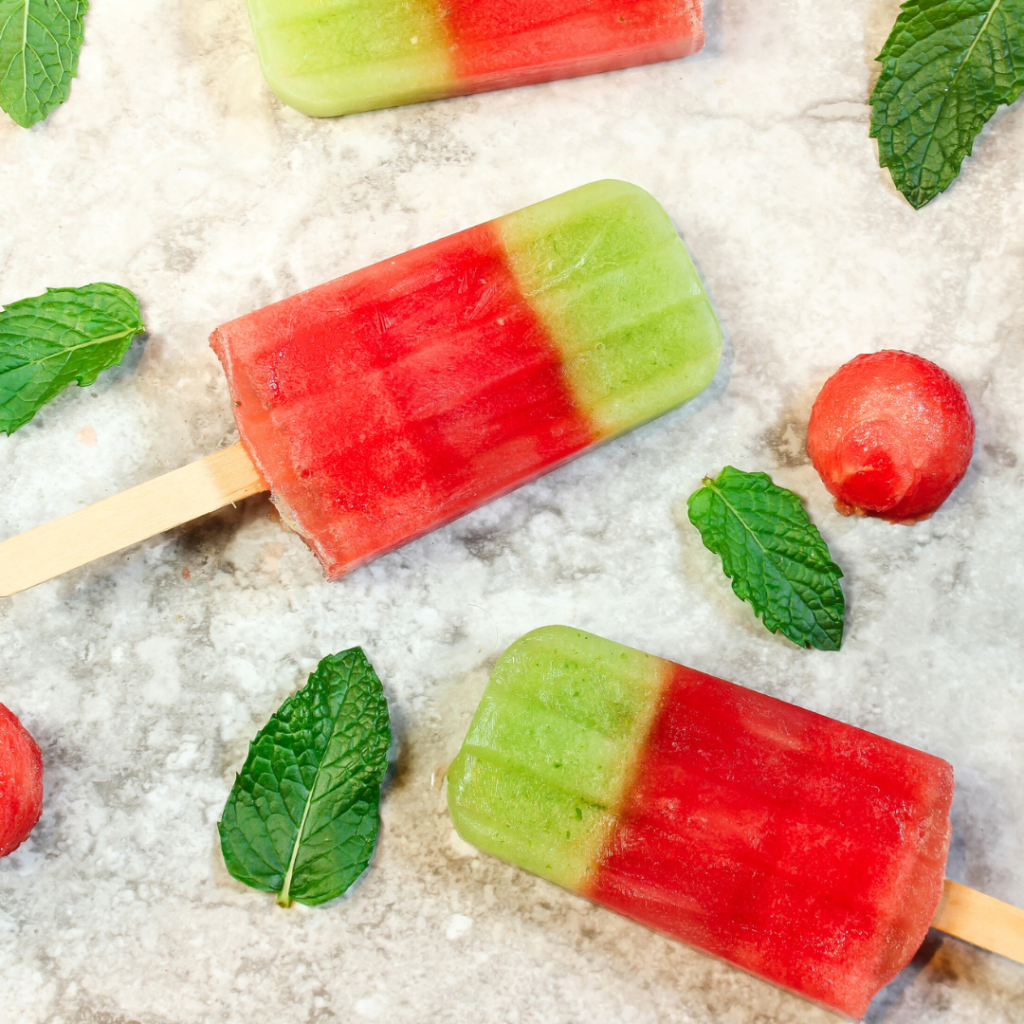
(342, 56)
(386, 403)
(803, 850)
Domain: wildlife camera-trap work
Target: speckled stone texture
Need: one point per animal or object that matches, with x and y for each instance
(173, 171)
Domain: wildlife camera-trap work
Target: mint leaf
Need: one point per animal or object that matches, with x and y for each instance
(50, 340)
(303, 815)
(773, 554)
(946, 67)
(39, 44)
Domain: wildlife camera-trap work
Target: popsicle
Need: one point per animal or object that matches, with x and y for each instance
(390, 401)
(387, 403)
(328, 57)
(805, 851)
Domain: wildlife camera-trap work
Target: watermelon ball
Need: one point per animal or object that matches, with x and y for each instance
(21, 782)
(891, 434)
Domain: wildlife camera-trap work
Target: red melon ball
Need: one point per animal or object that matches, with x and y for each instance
(21, 782)
(891, 434)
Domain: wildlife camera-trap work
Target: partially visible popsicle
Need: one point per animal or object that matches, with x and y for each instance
(328, 57)
(390, 401)
(803, 850)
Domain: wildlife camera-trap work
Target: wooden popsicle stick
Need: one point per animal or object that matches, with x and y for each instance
(124, 519)
(981, 920)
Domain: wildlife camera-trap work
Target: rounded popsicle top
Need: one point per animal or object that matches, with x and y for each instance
(606, 271)
(551, 751)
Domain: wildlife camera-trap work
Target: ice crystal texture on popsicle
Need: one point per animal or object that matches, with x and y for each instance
(386, 403)
(328, 57)
(806, 851)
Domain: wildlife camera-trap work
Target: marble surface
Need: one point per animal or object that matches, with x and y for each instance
(173, 171)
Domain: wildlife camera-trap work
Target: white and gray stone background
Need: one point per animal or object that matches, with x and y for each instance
(174, 171)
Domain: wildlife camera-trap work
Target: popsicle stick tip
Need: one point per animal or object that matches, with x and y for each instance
(981, 920)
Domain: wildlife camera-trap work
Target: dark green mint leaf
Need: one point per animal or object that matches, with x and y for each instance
(68, 334)
(773, 554)
(303, 815)
(946, 67)
(39, 44)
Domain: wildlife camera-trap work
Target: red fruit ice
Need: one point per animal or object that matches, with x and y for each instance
(891, 434)
(21, 782)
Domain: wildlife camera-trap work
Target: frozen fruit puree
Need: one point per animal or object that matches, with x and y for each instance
(890, 434)
(21, 782)
(390, 401)
(803, 850)
(328, 57)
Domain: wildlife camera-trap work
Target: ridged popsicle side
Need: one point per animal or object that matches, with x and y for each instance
(391, 401)
(551, 751)
(506, 43)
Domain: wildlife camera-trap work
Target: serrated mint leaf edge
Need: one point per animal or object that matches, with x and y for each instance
(712, 487)
(19, 108)
(895, 158)
(36, 305)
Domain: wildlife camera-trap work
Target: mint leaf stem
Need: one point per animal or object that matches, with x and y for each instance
(284, 896)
